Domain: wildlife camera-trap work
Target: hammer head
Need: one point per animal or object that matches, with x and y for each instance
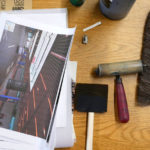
(119, 68)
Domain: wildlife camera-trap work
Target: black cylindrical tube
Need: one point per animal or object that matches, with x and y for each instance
(16, 85)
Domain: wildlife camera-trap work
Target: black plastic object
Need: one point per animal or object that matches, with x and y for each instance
(16, 85)
(116, 9)
(91, 97)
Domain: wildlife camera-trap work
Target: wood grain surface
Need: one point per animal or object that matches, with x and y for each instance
(113, 41)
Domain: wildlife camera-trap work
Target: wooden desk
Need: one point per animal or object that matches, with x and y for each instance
(111, 42)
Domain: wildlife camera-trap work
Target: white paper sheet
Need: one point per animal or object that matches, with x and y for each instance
(47, 16)
(15, 140)
(64, 125)
(30, 23)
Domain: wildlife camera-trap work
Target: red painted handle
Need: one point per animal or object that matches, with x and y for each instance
(122, 105)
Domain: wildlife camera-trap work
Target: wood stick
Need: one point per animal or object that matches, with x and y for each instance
(90, 126)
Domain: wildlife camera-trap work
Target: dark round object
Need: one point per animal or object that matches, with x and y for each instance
(77, 2)
(116, 9)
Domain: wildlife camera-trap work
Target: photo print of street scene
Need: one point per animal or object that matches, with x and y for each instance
(31, 70)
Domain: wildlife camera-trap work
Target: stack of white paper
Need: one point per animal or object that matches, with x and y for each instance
(35, 80)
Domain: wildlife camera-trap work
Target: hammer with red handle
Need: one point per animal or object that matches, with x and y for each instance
(117, 69)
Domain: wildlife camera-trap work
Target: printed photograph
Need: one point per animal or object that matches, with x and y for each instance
(32, 66)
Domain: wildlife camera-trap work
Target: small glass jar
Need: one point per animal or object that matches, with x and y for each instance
(77, 2)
